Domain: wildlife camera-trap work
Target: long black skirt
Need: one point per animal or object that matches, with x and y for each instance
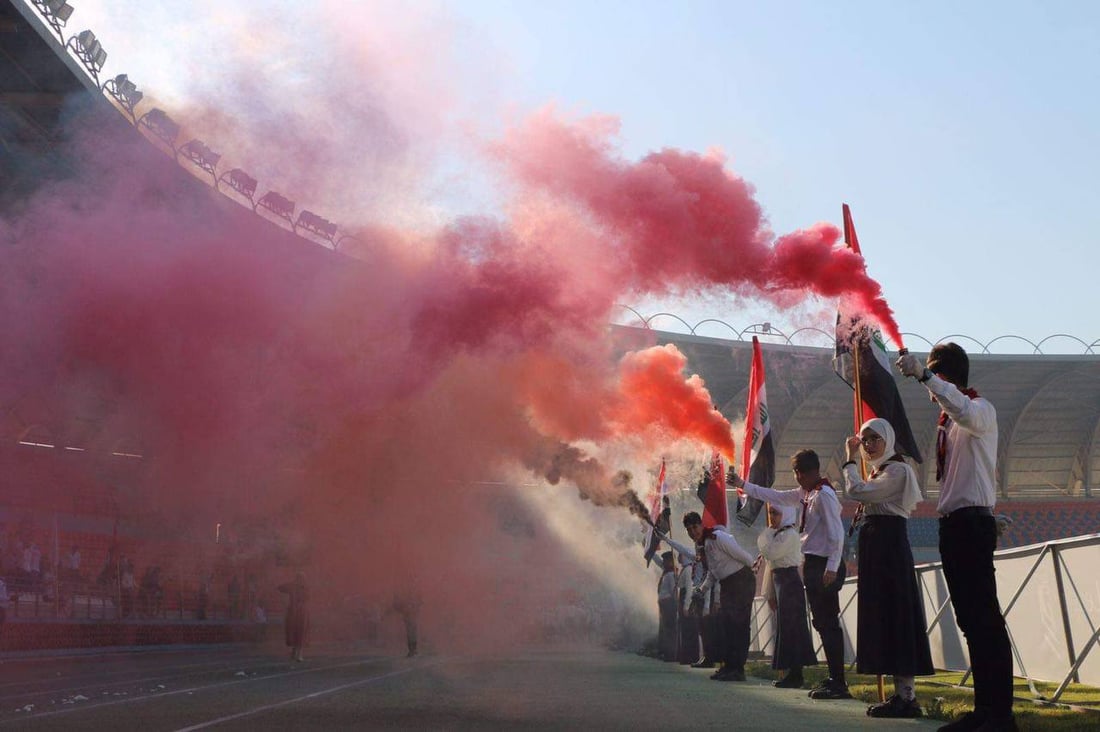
(891, 635)
(793, 646)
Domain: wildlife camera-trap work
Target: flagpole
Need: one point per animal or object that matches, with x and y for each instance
(858, 410)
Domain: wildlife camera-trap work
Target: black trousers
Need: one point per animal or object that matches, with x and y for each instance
(825, 609)
(689, 630)
(967, 544)
(708, 628)
(734, 616)
(667, 635)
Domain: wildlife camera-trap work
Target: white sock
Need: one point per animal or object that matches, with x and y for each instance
(905, 687)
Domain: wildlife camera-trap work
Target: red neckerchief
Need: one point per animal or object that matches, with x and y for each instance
(941, 437)
(806, 502)
(708, 533)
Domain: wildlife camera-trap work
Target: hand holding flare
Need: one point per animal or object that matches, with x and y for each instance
(735, 481)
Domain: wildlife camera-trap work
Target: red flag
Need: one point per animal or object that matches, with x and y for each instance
(850, 237)
(758, 454)
(715, 512)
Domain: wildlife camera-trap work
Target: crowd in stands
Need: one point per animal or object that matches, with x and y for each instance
(96, 583)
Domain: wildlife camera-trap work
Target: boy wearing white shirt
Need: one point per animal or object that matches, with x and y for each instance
(823, 572)
(731, 567)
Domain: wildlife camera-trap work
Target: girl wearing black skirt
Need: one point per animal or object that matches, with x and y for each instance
(891, 634)
(781, 548)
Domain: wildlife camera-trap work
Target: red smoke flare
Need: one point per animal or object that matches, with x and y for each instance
(655, 394)
(679, 220)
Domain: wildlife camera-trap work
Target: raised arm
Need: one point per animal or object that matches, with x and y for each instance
(889, 485)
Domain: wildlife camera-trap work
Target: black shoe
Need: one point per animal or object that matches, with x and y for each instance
(897, 708)
(965, 723)
(705, 663)
(789, 682)
(719, 675)
(999, 724)
(823, 684)
(835, 690)
(736, 675)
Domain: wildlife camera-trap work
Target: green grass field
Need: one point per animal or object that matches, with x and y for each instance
(943, 699)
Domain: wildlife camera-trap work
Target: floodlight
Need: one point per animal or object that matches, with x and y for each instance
(314, 224)
(199, 154)
(278, 205)
(56, 13)
(124, 91)
(89, 51)
(162, 126)
(241, 182)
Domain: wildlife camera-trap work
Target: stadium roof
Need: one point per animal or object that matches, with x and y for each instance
(1048, 410)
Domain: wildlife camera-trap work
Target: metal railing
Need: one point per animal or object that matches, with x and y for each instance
(1050, 597)
(89, 601)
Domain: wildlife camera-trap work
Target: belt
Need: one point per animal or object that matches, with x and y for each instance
(969, 511)
(731, 575)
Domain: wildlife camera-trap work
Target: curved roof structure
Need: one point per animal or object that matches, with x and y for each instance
(1048, 410)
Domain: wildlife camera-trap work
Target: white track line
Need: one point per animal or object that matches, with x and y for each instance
(276, 705)
(191, 690)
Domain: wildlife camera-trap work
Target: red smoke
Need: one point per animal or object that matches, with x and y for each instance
(655, 395)
(678, 220)
(370, 411)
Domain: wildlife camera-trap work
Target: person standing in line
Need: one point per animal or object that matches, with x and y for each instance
(729, 566)
(296, 624)
(710, 627)
(786, 596)
(666, 610)
(891, 634)
(823, 571)
(966, 459)
(687, 614)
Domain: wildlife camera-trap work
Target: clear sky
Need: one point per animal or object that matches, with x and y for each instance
(965, 136)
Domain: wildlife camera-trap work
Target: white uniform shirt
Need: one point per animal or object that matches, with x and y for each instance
(666, 588)
(824, 532)
(885, 493)
(780, 548)
(724, 556)
(684, 583)
(971, 448)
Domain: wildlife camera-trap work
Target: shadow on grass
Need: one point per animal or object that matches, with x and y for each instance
(942, 699)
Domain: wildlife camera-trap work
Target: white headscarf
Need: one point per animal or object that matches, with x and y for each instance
(912, 494)
(883, 429)
(789, 516)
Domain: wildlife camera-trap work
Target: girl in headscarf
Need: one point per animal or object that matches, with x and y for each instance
(891, 635)
(781, 549)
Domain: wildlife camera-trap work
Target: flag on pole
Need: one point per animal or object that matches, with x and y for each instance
(759, 451)
(877, 388)
(712, 492)
(656, 514)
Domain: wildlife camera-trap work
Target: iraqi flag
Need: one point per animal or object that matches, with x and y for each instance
(712, 492)
(759, 450)
(656, 514)
(877, 387)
